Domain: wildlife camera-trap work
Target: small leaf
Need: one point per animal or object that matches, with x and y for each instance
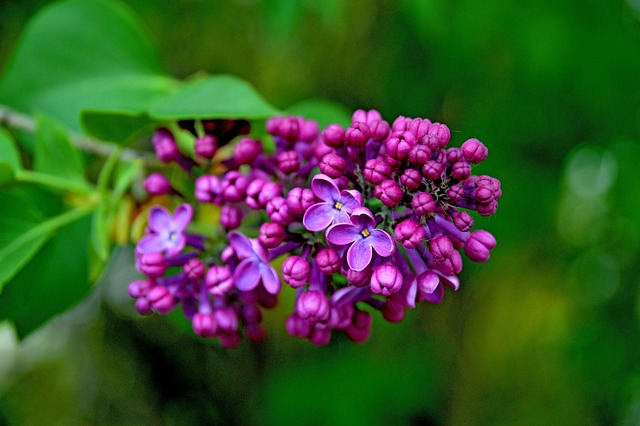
(9, 152)
(55, 154)
(219, 96)
(100, 226)
(323, 111)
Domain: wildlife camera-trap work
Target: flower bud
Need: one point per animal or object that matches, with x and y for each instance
(313, 306)
(423, 204)
(296, 271)
(441, 248)
(479, 245)
(463, 221)
(247, 150)
(411, 179)
(161, 299)
(288, 161)
(194, 269)
(320, 335)
(389, 192)
(399, 145)
(487, 209)
(204, 325)
(432, 170)
(333, 135)
(297, 327)
(278, 211)
(219, 280)
(474, 151)
(419, 155)
(456, 194)
(140, 288)
(461, 170)
(376, 171)
(359, 278)
(419, 127)
(208, 189)
(165, 146)
(153, 265)
(230, 217)
(333, 165)
(206, 146)
(357, 134)
(386, 280)
(251, 314)
(288, 128)
(328, 261)
(271, 235)
(393, 311)
(234, 186)
(409, 233)
(227, 319)
(157, 184)
(379, 130)
(360, 328)
(308, 130)
(441, 132)
(401, 124)
(299, 200)
(429, 287)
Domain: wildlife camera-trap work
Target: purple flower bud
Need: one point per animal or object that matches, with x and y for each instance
(194, 269)
(423, 204)
(273, 124)
(386, 280)
(484, 194)
(297, 327)
(429, 287)
(157, 184)
(308, 130)
(409, 233)
(206, 146)
(230, 217)
(454, 155)
(227, 319)
(153, 265)
(296, 271)
(401, 124)
(419, 155)
(320, 335)
(393, 311)
(474, 151)
(229, 340)
(359, 115)
(449, 266)
(328, 261)
(379, 130)
(441, 132)
(333, 165)
(479, 245)
(313, 306)
(456, 194)
(441, 248)
(247, 150)
(333, 135)
(399, 145)
(419, 127)
(359, 278)
(140, 288)
(278, 211)
(161, 299)
(461, 170)
(487, 209)
(219, 280)
(432, 170)
(340, 316)
(208, 189)
(299, 200)
(255, 333)
(234, 186)
(376, 171)
(411, 179)
(357, 134)
(143, 306)
(389, 192)
(288, 161)
(360, 328)
(431, 142)
(204, 325)
(165, 146)
(463, 221)
(271, 235)
(228, 253)
(251, 314)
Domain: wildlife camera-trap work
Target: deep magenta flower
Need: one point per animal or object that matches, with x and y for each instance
(362, 237)
(335, 206)
(166, 232)
(254, 265)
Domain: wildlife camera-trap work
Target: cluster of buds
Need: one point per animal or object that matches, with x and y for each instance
(382, 225)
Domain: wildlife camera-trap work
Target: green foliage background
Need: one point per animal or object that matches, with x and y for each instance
(546, 332)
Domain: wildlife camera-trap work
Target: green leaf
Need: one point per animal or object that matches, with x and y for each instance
(71, 56)
(6, 173)
(219, 96)
(118, 127)
(323, 111)
(9, 152)
(53, 281)
(55, 154)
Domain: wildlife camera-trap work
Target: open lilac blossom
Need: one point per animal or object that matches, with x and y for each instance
(166, 232)
(254, 265)
(335, 206)
(362, 237)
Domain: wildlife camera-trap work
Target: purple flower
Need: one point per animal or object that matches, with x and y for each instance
(166, 231)
(254, 266)
(362, 237)
(335, 206)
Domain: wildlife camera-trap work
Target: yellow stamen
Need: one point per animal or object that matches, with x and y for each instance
(365, 232)
(338, 205)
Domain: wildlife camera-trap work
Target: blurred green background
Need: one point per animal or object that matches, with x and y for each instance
(546, 332)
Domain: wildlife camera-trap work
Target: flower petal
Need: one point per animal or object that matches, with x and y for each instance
(176, 245)
(410, 291)
(436, 296)
(351, 199)
(362, 217)
(182, 217)
(382, 242)
(270, 279)
(247, 275)
(159, 219)
(342, 234)
(151, 243)
(318, 216)
(359, 255)
(241, 245)
(325, 188)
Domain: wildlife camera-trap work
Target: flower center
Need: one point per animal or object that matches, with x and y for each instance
(365, 232)
(173, 236)
(338, 205)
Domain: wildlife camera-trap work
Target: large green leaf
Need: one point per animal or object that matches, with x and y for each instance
(78, 54)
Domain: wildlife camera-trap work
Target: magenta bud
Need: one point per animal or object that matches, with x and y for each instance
(273, 124)
(194, 269)
(487, 209)
(165, 146)
(359, 278)
(379, 130)
(206, 146)
(140, 288)
(299, 200)
(401, 124)
(393, 311)
(308, 130)
(429, 287)
(474, 151)
(288, 161)
(419, 127)
(271, 235)
(409, 233)
(423, 204)
(333, 165)
(360, 328)
(229, 340)
(386, 280)
(230, 217)
(463, 221)
(313, 306)
(431, 142)
(340, 316)
(254, 189)
(296, 271)
(278, 211)
(461, 170)
(247, 150)
(320, 335)
(484, 194)
(328, 261)
(456, 194)
(208, 189)
(359, 115)
(234, 186)
(419, 155)
(357, 134)
(204, 325)
(389, 192)
(376, 171)
(333, 135)
(441, 132)
(411, 179)
(441, 248)
(161, 299)
(219, 280)
(454, 155)
(297, 327)
(399, 145)
(479, 245)
(153, 265)
(227, 319)
(251, 314)
(255, 333)
(143, 306)
(157, 184)
(289, 128)
(432, 170)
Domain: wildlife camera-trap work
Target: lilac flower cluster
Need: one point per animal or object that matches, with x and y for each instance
(381, 226)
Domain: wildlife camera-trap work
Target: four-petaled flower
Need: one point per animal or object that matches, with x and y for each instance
(362, 237)
(335, 206)
(254, 265)
(166, 232)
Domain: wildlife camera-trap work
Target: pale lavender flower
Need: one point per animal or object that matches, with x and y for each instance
(254, 265)
(166, 232)
(335, 206)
